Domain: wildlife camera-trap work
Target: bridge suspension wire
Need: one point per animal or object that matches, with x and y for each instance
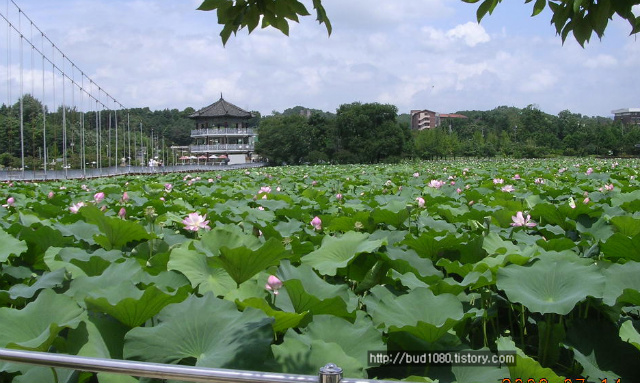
(49, 129)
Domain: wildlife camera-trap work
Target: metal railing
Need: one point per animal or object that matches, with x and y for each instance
(40, 175)
(222, 148)
(330, 373)
(223, 132)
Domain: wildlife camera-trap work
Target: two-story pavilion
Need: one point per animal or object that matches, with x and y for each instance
(223, 129)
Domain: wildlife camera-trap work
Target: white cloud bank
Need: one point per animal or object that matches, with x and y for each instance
(414, 54)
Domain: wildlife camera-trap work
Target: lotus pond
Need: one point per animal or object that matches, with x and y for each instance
(286, 269)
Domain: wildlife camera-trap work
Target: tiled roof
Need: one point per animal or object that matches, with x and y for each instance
(221, 108)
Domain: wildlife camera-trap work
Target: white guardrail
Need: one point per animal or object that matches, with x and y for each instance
(330, 373)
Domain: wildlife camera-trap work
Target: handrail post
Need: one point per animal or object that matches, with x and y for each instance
(330, 373)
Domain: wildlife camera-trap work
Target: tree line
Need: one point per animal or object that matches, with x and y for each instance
(355, 133)
(369, 133)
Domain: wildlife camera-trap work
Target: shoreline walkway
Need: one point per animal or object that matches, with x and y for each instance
(52, 175)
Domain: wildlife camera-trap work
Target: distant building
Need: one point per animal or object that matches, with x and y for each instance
(424, 119)
(628, 116)
(222, 129)
(427, 119)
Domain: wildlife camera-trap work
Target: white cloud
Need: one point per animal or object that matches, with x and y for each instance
(471, 33)
(601, 61)
(414, 54)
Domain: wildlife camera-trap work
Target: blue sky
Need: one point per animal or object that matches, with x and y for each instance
(415, 54)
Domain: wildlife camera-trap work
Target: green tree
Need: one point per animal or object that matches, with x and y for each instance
(369, 132)
(582, 17)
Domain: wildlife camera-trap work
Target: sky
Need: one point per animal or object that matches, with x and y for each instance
(414, 54)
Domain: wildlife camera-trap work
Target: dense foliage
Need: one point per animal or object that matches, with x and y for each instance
(540, 258)
(580, 17)
(360, 133)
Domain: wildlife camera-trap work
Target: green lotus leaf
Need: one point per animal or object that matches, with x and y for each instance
(626, 225)
(44, 281)
(243, 263)
(36, 326)
(493, 244)
(201, 271)
(327, 339)
(78, 261)
(408, 261)
(116, 232)
(525, 367)
(44, 375)
(600, 230)
(430, 246)
(338, 252)
(306, 291)
(117, 280)
(599, 348)
(620, 279)
(10, 246)
(419, 312)
(282, 320)
(479, 374)
(135, 311)
(621, 246)
(437, 225)
(230, 236)
(551, 286)
(210, 330)
(408, 279)
(628, 333)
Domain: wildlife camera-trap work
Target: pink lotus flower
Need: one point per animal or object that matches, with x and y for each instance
(98, 197)
(508, 188)
(168, 187)
(51, 195)
(520, 220)
(572, 203)
(273, 284)
(539, 180)
(122, 213)
(265, 189)
(75, 207)
(498, 181)
(516, 177)
(586, 200)
(125, 197)
(316, 222)
(339, 197)
(608, 187)
(195, 222)
(416, 174)
(10, 202)
(210, 180)
(435, 184)
(420, 201)
(589, 171)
